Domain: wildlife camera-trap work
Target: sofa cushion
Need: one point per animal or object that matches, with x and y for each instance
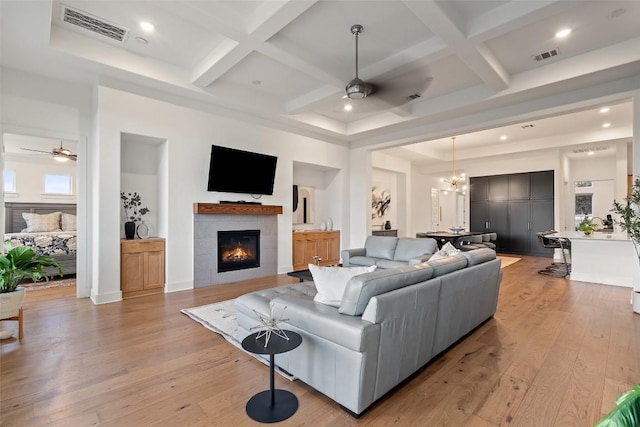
(387, 263)
(408, 248)
(260, 300)
(362, 260)
(381, 246)
(478, 256)
(360, 289)
(331, 281)
(447, 265)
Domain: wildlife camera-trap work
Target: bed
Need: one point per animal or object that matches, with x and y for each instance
(60, 245)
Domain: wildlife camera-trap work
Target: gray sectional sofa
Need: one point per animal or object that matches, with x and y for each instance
(389, 252)
(390, 323)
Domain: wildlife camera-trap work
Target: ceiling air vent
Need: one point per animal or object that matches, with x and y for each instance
(589, 150)
(546, 55)
(94, 24)
(530, 125)
(414, 96)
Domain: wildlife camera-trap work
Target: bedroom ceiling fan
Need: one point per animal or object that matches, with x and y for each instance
(395, 91)
(60, 154)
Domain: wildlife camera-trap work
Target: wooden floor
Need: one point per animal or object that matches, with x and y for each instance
(556, 353)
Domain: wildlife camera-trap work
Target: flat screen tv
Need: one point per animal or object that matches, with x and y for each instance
(238, 171)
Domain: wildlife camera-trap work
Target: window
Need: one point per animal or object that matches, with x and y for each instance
(57, 184)
(9, 181)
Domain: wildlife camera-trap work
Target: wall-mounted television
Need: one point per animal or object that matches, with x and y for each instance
(238, 171)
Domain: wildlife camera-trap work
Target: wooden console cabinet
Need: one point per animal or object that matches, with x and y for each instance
(141, 266)
(307, 244)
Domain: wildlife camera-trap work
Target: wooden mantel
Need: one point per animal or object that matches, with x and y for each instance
(236, 209)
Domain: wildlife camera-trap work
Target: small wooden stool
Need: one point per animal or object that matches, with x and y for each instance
(18, 318)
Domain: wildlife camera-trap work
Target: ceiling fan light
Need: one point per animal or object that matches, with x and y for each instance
(357, 89)
(61, 158)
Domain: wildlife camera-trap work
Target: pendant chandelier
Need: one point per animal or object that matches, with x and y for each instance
(456, 182)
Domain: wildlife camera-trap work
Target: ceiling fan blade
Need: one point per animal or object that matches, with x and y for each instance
(403, 89)
(37, 151)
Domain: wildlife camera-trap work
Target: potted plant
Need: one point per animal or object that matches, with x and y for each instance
(587, 227)
(133, 212)
(18, 263)
(629, 221)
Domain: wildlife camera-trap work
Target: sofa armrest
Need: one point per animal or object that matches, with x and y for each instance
(420, 259)
(346, 254)
(325, 322)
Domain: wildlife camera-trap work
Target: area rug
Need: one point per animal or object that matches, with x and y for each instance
(31, 286)
(220, 317)
(507, 260)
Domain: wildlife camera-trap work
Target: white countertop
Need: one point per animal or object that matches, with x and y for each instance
(578, 235)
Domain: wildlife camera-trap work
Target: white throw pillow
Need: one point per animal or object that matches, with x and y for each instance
(69, 222)
(331, 281)
(447, 250)
(37, 223)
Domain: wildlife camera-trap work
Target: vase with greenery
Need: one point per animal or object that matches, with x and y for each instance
(133, 211)
(587, 227)
(16, 264)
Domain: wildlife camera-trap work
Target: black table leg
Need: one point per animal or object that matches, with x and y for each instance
(271, 406)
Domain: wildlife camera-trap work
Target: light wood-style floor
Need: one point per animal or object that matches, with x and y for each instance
(556, 353)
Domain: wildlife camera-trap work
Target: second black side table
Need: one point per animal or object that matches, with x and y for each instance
(271, 406)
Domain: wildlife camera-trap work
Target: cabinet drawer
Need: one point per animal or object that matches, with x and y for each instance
(142, 246)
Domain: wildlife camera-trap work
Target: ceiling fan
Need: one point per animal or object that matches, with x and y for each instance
(395, 91)
(60, 154)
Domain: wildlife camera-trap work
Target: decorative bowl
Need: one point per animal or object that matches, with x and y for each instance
(456, 230)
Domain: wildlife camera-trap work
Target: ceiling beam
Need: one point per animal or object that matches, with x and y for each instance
(477, 57)
(267, 21)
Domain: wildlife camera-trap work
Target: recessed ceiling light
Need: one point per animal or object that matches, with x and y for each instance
(348, 107)
(503, 137)
(142, 40)
(589, 153)
(563, 33)
(147, 26)
(605, 109)
(606, 125)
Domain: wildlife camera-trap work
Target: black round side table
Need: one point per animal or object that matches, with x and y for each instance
(271, 406)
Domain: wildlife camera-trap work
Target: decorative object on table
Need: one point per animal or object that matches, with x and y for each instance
(456, 229)
(329, 223)
(142, 230)
(133, 212)
(18, 263)
(387, 225)
(586, 226)
(323, 226)
(268, 326)
(317, 260)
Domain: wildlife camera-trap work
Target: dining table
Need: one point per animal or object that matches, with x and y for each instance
(442, 237)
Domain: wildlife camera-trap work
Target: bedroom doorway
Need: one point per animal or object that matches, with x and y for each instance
(40, 198)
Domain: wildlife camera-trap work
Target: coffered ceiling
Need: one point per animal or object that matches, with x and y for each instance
(285, 63)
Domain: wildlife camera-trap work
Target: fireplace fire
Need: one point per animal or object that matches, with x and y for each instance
(238, 250)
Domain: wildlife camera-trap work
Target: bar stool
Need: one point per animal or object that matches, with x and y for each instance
(556, 269)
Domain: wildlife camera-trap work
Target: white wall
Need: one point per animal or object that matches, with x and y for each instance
(189, 135)
(325, 184)
(30, 179)
(396, 173)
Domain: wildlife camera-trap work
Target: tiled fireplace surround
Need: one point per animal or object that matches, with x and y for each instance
(209, 218)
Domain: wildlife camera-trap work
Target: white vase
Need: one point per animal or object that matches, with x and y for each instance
(329, 224)
(11, 302)
(323, 226)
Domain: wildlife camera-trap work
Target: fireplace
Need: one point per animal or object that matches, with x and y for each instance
(238, 250)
